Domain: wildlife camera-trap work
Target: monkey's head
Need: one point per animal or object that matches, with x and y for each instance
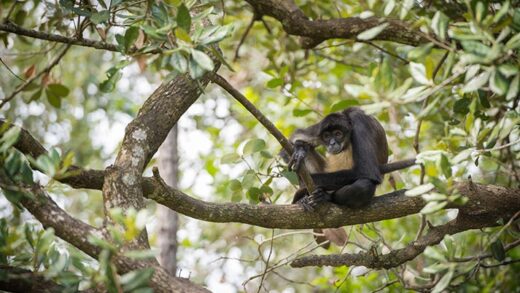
(334, 132)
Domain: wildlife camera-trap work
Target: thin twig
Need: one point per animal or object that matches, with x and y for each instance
(504, 263)
(336, 60)
(30, 80)
(498, 147)
(267, 261)
(303, 172)
(9, 69)
(243, 38)
(385, 285)
(387, 52)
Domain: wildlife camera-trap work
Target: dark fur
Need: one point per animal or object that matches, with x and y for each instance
(365, 138)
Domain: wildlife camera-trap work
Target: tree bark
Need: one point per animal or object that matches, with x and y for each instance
(168, 220)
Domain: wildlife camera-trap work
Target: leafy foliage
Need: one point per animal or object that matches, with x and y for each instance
(462, 84)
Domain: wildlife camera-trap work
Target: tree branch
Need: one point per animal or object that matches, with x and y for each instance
(395, 257)
(484, 200)
(303, 172)
(18, 30)
(49, 214)
(295, 22)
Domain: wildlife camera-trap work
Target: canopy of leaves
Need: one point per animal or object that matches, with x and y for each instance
(452, 100)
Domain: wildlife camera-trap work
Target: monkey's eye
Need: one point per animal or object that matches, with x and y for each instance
(326, 136)
(338, 134)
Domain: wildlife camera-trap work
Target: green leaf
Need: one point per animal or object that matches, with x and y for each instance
(419, 189)
(433, 206)
(136, 279)
(440, 24)
(389, 7)
(181, 34)
(501, 12)
(179, 62)
(235, 185)
(443, 282)
(445, 166)
(301, 112)
(513, 88)
(498, 83)
(195, 70)
(405, 8)
(20, 17)
(343, 104)
(58, 89)
(497, 250)
(36, 96)
(140, 254)
(275, 82)
(160, 14)
(418, 72)
(462, 106)
(53, 99)
(371, 33)
(476, 48)
(202, 59)
(477, 82)
(291, 176)
(513, 43)
(9, 138)
(434, 253)
(131, 35)
(230, 159)
(420, 52)
(100, 16)
(183, 18)
(209, 37)
(253, 146)
(113, 76)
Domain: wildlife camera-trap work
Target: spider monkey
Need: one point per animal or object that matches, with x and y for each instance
(357, 156)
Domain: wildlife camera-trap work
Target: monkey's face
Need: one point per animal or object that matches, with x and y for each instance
(335, 140)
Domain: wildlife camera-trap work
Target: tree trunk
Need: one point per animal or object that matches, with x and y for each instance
(168, 220)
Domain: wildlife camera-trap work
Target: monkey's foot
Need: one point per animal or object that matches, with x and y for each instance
(318, 196)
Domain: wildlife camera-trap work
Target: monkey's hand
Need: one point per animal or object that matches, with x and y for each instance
(300, 152)
(318, 196)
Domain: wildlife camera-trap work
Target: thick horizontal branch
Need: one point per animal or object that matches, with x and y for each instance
(18, 30)
(295, 22)
(485, 201)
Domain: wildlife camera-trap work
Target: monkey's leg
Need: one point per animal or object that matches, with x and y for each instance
(355, 195)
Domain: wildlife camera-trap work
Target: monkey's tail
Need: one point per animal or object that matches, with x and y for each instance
(390, 167)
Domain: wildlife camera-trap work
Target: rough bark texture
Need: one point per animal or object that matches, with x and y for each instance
(167, 219)
(295, 22)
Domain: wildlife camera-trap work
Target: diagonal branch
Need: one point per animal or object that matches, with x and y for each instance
(49, 214)
(295, 22)
(303, 172)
